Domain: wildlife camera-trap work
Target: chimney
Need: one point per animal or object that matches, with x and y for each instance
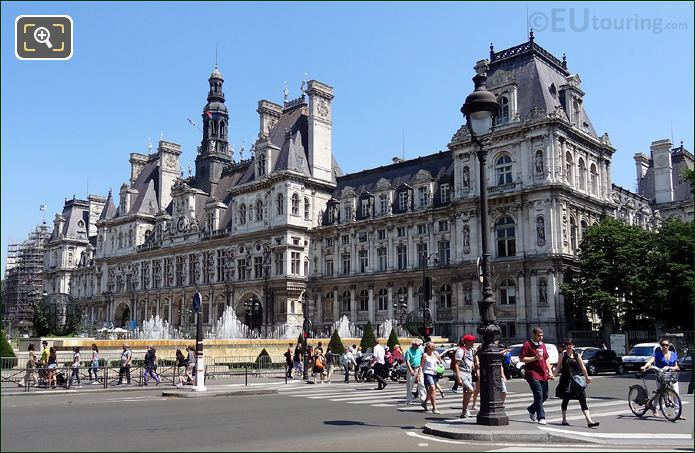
(663, 182)
(641, 165)
(269, 114)
(168, 170)
(137, 163)
(320, 130)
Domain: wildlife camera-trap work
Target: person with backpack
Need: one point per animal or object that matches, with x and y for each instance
(329, 365)
(288, 361)
(151, 365)
(319, 365)
(347, 359)
(464, 365)
(126, 359)
(75, 367)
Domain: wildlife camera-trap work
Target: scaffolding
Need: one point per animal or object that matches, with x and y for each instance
(24, 275)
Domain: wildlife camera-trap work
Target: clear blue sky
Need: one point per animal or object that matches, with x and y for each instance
(140, 69)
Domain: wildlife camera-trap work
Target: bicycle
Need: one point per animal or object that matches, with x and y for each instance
(669, 402)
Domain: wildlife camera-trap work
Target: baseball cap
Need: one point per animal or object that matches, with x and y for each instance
(468, 337)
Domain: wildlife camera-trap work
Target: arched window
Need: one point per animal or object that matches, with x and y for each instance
(364, 300)
(569, 165)
(307, 209)
(594, 180)
(577, 113)
(382, 300)
(295, 204)
(507, 290)
(259, 211)
(583, 226)
(213, 126)
(222, 128)
(581, 169)
(505, 234)
(260, 162)
(503, 118)
(345, 301)
(242, 214)
(445, 296)
(402, 295)
(503, 169)
(281, 204)
(573, 234)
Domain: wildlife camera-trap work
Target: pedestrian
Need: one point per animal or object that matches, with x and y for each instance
(298, 365)
(44, 353)
(536, 361)
(288, 361)
(329, 365)
(31, 367)
(662, 358)
(346, 360)
(320, 347)
(151, 365)
(379, 361)
(463, 366)
(357, 350)
(397, 354)
(503, 376)
(319, 365)
(413, 360)
(569, 367)
(429, 364)
(95, 364)
(180, 367)
(75, 368)
(52, 364)
(475, 377)
(190, 364)
(126, 360)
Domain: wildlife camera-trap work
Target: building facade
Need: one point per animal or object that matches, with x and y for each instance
(283, 235)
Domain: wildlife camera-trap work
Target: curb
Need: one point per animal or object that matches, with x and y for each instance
(450, 432)
(215, 393)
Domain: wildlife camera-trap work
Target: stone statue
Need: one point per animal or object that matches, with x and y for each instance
(466, 178)
(539, 162)
(540, 231)
(542, 292)
(466, 239)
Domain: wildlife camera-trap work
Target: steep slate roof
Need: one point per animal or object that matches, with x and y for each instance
(535, 70)
(147, 185)
(109, 210)
(439, 165)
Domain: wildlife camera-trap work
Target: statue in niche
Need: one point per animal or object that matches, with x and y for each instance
(467, 296)
(466, 178)
(466, 239)
(540, 230)
(542, 292)
(539, 162)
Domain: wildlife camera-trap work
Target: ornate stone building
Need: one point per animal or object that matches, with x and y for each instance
(266, 234)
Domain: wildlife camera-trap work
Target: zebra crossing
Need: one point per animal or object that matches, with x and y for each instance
(393, 396)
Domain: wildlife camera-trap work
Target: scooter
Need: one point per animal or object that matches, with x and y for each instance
(364, 371)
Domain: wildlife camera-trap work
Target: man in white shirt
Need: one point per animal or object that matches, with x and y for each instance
(379, 365)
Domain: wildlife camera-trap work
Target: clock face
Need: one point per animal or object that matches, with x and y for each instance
(322, 108)
(182, 224)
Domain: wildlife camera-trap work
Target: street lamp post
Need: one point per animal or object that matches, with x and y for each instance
(481, 109)
(306, 331)
(426, 292)
(400, 309)
(199, 359)
(253, 311)
(266, 290)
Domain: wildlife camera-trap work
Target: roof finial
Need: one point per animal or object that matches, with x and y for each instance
(303, 88)
(190, 170)
(492, 51)
(241, 151)
(530, 36)
(681, 145)
(286, 93)
(564, 61)
(215, 54)
(149, 145)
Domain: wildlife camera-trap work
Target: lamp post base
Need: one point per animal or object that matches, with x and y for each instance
(491, 407)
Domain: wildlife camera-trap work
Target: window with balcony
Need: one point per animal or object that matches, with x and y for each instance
(505, 235)
(402, 257)
(503, 169)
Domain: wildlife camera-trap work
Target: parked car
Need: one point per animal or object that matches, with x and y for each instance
(597, 360)
(518, 368)
(686, 363)
(639, 354)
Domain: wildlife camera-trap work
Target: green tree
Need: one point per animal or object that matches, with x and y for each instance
(368, 338)
(5, 347)
(393, 339)
(41, 326)
(336, 344)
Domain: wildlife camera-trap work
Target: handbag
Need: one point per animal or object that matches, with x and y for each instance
(439, 369)
(579, 381)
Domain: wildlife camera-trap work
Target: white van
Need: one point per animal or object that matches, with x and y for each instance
(639, 354)
(516, 350)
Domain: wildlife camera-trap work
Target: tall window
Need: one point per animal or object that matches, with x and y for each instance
(331, 214)
(381, 259)
(329, 268)
(421, 254)
(594, 180)
(242, 214)
(569, 164)
(257, 267)
(347, 210)
(507, 292)
(503, 169)
(364, 208)
(241, 269)
(423, 196)
(345, 301)
(307, 209)
(346, 263)
(328, 303)
(259, 211)
(382, 300)
(445, 296)
(583, 225)
(505, 233)
(581, 169)
(573, 234)
(279, 260)
(295, 263)
(380, 235)
(444, 252)
(402, 257)
(261, 164)
(295, 204)
(403, 200)
(383, 204)
(364, 261)
(445, 193)
(364, 300)
(503, 118)
(281, 204)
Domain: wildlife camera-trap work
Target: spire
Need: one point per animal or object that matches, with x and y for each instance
(564, 61)
(492, 51)
(530, 36)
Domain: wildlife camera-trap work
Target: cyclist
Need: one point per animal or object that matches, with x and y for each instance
(664, 357)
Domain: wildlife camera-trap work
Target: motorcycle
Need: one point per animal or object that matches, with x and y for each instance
(397, 371)
(364, 371)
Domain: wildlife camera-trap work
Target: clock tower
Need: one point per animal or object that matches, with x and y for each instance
(213, 153)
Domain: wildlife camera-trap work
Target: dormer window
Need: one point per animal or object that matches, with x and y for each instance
(331, 214)
(402, 201)
(259, 211)
(242, 214)
(423, 196)
(364, 208)
(347, 210)
(260, 162)
(445, 193)
(281, 204)
(295, 204)
(576, 109)
(503, 117)
(383, 204)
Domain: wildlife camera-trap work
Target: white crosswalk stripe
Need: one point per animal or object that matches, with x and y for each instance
(393, 396)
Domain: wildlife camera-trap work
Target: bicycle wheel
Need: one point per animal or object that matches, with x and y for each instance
(637, 400)
(670, 404)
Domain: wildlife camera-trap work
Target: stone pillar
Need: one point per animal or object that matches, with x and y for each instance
(371, 305)
(389, 295)
(353, 306)
(411, 302)
(319, 309)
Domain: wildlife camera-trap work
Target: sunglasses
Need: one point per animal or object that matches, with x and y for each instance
(665, 345)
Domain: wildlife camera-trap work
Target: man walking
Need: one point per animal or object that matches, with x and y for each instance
(537, 365)
(413, 359)
(126, 359)
(151, 365)
(379, 365)
(288, 361)
(463, 370)
(345, 360)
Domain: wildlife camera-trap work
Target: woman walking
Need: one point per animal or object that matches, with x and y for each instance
(75, 367)
(430, 360)
(52, 367)
(571, 369)
(180, 367)
(95, 364)
(31, 367)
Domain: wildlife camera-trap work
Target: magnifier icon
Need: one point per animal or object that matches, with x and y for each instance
(43, 36)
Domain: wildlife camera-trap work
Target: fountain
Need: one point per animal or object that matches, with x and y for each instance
(156, 329)
(229, 327)
(386, 327)
(347, 329)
